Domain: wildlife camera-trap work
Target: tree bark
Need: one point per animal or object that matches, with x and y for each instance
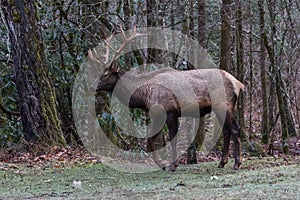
(262, 56)
(277, 74)
(226, 40)
(153, 55)
(202, 22)
(240, 66)
(191, 151)
(200, 135)
(37, 100)
(251, 89)
(226, 14)
(126, 11)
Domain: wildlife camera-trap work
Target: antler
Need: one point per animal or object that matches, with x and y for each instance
(106, 56)
(109, 47)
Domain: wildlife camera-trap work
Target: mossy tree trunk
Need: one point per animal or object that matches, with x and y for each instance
(226, 45)
(251, 74)
(153, 20)
(240, 66)
(277, 74)
(265, 116)
(201, 132)
(226, 34)
(191, 151)
(37, 100)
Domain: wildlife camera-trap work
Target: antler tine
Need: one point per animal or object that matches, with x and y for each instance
(124, 35)
(128, 39)
(133, 35)
(91, 55)
(107, 42)
(93, 52)
(106, 56)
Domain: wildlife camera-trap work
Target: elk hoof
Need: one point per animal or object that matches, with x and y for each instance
(221, 164)
(173, 166)
(236, 166)
(162, 166)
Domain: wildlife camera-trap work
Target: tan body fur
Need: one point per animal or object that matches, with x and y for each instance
(192, 93)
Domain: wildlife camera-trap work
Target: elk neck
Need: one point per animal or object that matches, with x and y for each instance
(127, 90)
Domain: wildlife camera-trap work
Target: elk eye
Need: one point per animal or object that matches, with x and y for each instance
(105, 75)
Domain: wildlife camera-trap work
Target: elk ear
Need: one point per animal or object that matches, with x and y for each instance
(114, 67)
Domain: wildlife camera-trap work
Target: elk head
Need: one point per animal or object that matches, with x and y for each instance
(112, 72)
(109, 78)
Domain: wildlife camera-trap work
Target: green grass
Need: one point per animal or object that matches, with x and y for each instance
(258, 178)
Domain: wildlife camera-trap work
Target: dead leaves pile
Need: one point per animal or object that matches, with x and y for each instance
(56, 157)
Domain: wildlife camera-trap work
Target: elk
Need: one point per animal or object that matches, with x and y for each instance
(152, 94)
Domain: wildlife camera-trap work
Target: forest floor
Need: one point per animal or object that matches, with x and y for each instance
(83, 177)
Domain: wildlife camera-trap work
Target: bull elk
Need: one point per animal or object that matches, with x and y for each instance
(151, 94)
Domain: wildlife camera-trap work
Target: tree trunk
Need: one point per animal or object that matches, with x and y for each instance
(289, 116)
(37, 99)
(153, 55)
(240, 66)
(126, 11)
(202, 22)
(251, 89)
(200, 136)
(262, 56)
(226, 14)
(225, 56)
(191, 151)
(277, 74)
(283, 117)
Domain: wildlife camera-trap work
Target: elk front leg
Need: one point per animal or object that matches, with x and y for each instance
(155, 137)
(172, 123)
(154, 143)
(225, 152)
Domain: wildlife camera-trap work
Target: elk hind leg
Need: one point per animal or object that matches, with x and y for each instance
(226, 138)
(237, 144)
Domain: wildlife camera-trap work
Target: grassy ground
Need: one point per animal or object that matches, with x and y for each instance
(258, 178)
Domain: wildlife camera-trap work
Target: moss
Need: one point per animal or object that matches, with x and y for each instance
(11, 3)
(49, 112)
(47, 97)
(26, 11)
(17, 17)
(26, 67)
(38, 57)
(253, 148)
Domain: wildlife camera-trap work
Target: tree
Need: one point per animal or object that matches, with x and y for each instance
(271, 48)
(226, 40)
(37, 100)
(226, 45)
(262, 57)
(191, 151)
(200, 135)
(153, 7)
(240, 64)
(202, 23)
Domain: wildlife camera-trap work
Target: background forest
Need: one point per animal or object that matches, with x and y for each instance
(43, 44)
